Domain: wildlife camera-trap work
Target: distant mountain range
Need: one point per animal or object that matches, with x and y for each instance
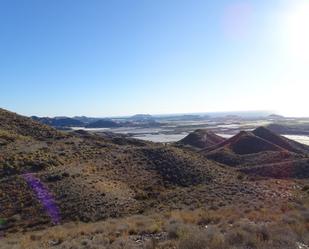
(88, 122)
(145, 120)
(59, 122)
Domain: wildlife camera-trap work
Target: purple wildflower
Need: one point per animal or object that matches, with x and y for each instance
(44, 197)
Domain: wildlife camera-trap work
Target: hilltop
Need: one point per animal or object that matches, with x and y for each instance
(280, 141)
(201, 138)
(12, 125)
(246, 143)
(275, 117)
(262, 153)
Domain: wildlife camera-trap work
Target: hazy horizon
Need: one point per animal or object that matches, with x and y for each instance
(215, 114)
(119, 58)
(246, 114)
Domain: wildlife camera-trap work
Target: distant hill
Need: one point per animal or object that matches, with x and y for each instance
(86, 120)
(280, 141)
(103, 123)
(142, 117)
(295, 129)
(59, 122)
(184, 117)
(258, 147)
(259, 140)
(275, 116)
(232, 117)
(247, 143)
(201, 138)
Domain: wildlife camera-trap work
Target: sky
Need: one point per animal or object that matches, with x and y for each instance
(122, 57)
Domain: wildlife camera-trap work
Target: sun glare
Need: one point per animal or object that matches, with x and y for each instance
(296, 30)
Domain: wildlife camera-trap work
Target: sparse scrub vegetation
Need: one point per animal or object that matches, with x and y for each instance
(156, 231)
(115, 192)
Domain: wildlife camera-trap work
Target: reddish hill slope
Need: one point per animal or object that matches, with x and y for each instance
(246, 143)
(201, 138)
(281, 141)
(255, 148)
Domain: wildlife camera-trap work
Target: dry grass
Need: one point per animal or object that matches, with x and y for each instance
(178, 229)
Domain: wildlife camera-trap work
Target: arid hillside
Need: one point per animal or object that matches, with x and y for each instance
(53, 178)
(201, 139)
(12, 125)
(93, 177)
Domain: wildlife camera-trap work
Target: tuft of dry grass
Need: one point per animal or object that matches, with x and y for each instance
(178, 229)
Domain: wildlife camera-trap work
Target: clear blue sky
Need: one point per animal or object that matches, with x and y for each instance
(121, 57)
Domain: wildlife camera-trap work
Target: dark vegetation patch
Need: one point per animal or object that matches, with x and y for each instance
(290, 169)
(177, 167)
